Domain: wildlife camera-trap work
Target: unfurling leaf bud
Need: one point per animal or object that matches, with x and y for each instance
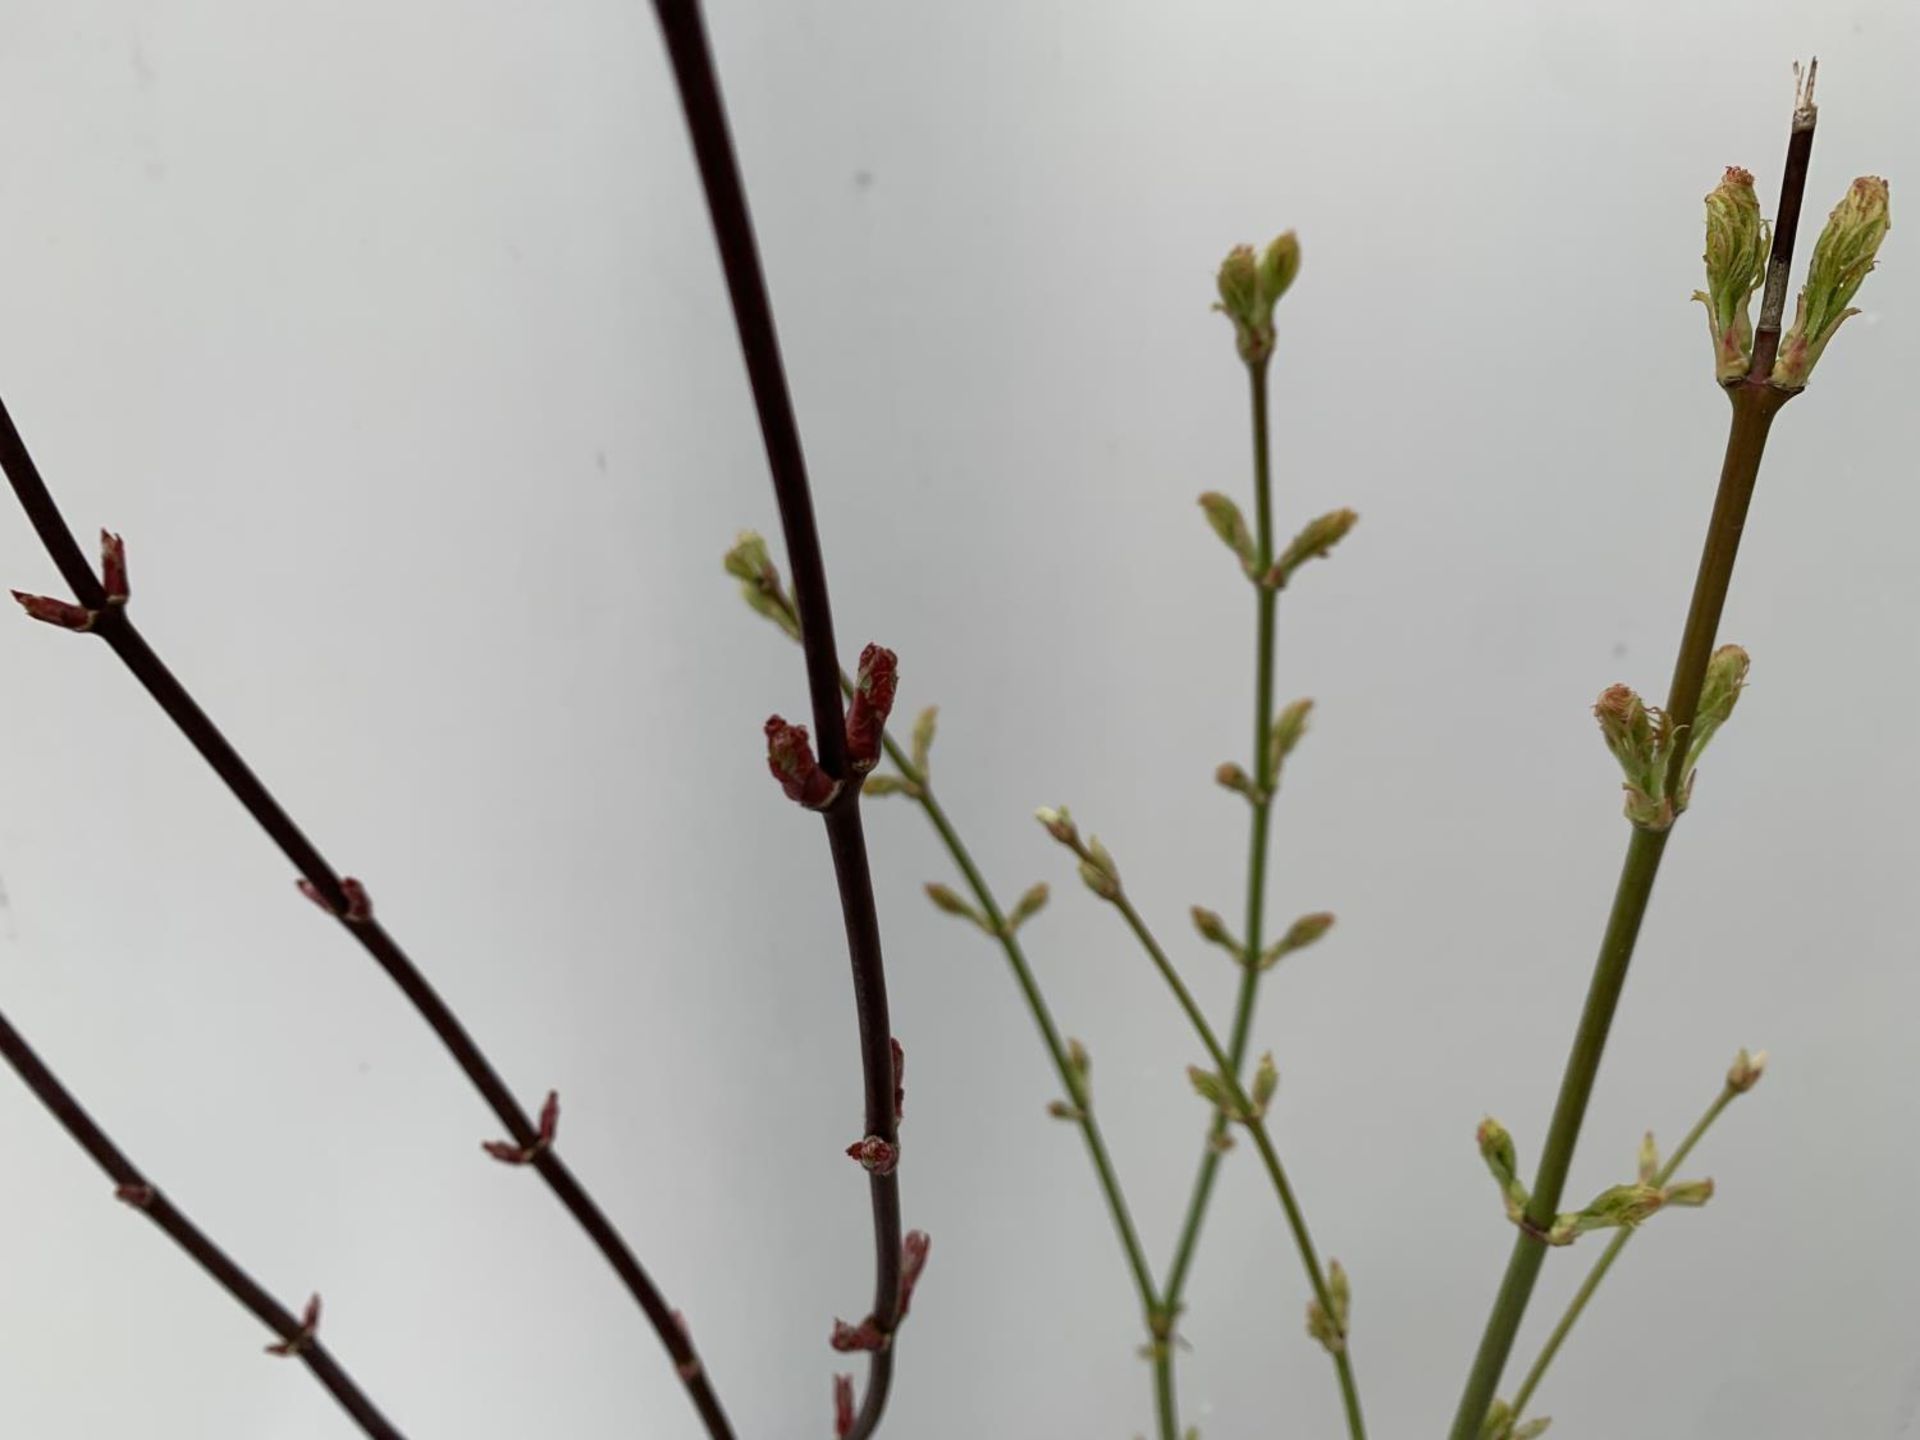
(1737, 245)
(1637, 735)
(1097, 868)
(1746, 1070)
(1618, 1207)
(1212, 1089)
(1249, 289)
(878, 785)
(1266, 1080)
(923, 728)
(790, 758)
(1314, 542)
(1214, 930)
(1726, 678)
(1503, 1163)
(1059, 824)
(945, 898)
(1027, 906)
(1302, 933)
(1341, 1290)
(1227, 522)
(873, 691)
(1690, 1193)
(749, 563)
(1649, 1165)
(1842, 256)
(1288, 726)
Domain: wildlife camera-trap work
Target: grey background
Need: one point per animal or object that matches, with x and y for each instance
(392, 339)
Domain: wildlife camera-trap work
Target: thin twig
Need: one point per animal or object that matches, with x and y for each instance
(347, 903)
(297, 1337)
(684, 29)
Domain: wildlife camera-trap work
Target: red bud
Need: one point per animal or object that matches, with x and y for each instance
(873, 689)
(875, 1154)
(113, 568)
(842, 1406)
(63, 613)
(790, 758)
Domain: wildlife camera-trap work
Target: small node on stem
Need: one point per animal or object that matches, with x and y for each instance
(358, 907)
(302, 1339)
(140, 1197)
(876, 1156)
(509, 1152)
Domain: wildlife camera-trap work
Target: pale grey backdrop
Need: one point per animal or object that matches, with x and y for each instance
(392, 338)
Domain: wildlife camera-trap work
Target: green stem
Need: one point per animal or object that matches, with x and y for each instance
(1152, 1311)
(1608, 1256)
(1755, 403)
(1263, 1142)
(1266, 601)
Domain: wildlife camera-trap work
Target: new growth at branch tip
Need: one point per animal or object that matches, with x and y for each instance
(1739, 245)
(1644, 740)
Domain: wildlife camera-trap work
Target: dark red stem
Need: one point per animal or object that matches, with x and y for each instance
(693, 69)
(113, 626)
(148, 1199)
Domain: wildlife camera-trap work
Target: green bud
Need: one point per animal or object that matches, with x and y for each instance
(1342, 1292)
(1250, 288)
(1619, 1207)
(1842, 256)
(1737, 246)
(1288, 726)
(1746, 1070)
(1690, 1193)
(1027, 906)
(1062, 1110)
(1097, 868)
(1503, 1163)
(1059, 824)
(1212, 1089)
(1266, 1080)
(1726, 678)
(1302, 933)
(876, 785)
(1279, 263)
(1078, 1058)
(1314, 542)
(945, 899)
(1214, 930)
(923, 737)
(1499, 1422)
(1532, 1429)
(749, 563)
(1649, 1159)
(1324, 1328)
(1228, 523)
